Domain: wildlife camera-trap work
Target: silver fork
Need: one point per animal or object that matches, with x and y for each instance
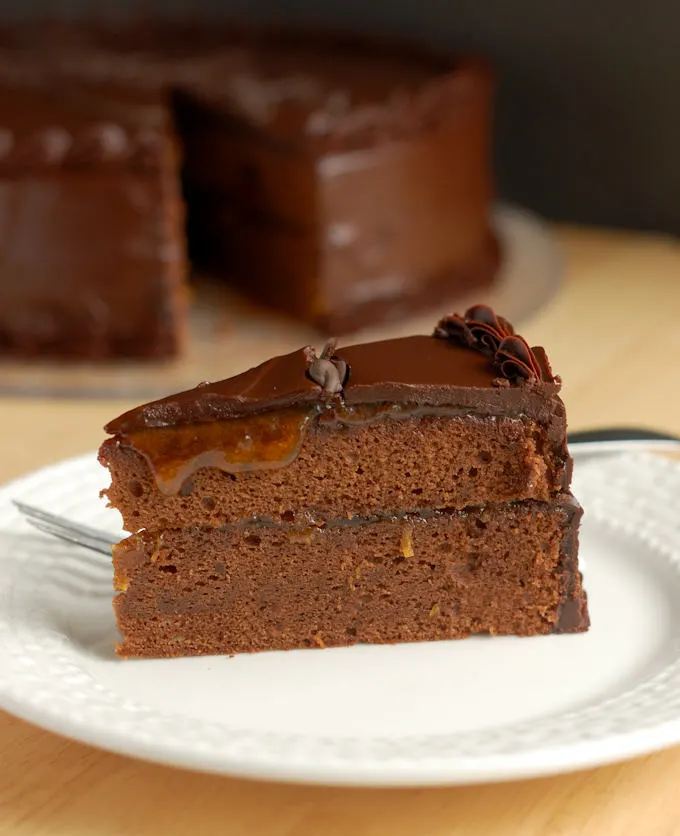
(65, 529)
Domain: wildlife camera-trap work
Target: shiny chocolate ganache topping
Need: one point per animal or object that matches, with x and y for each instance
(474, 365)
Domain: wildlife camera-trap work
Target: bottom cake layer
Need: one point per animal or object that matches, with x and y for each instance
(508, 569)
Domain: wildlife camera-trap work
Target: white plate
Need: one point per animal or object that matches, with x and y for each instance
(447, 712)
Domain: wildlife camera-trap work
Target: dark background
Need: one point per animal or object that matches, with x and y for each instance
(588, 115)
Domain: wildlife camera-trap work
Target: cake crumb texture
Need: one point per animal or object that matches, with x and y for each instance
(499, 570)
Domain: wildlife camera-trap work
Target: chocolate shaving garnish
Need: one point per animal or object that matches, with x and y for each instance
(328, 370)
(454, 327)
(515, 359)
(488, 329)
(482, 330)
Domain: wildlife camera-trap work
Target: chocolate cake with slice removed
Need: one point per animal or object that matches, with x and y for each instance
(404, 490)
(343, 179)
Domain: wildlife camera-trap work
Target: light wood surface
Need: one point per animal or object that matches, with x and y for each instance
(613, 333)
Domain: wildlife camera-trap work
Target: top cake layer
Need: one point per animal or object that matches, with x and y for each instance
(322, 90)
(326, 93)
(465, 417)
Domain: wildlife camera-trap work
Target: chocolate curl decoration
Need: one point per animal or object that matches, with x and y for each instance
(454, 327)
(481, 330)
(327, 370)
(515, 359)
(488, 330)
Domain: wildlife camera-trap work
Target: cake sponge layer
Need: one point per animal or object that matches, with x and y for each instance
(391, 465)
(506, 569)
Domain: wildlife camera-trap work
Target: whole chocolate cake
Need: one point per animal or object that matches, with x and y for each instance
(344, 180)
(404, 490)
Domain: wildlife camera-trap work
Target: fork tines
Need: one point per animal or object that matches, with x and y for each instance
(68, 530)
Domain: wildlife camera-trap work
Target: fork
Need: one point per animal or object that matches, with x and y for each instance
(65, 529)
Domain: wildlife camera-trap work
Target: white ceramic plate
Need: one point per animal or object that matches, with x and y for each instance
(447, 712)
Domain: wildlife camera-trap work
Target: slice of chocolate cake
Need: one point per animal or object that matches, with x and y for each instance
(404, 490)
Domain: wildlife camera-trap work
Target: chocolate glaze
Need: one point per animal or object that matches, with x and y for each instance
(572, 613)
(77, 126)
(324, 89)
(411, 370)
(91, 265)
(258, 419)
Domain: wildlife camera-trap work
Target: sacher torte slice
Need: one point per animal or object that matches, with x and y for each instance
(404, 490)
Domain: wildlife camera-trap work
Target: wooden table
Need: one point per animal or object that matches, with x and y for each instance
(613, 334)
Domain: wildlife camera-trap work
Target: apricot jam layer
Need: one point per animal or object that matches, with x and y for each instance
(255, 442)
